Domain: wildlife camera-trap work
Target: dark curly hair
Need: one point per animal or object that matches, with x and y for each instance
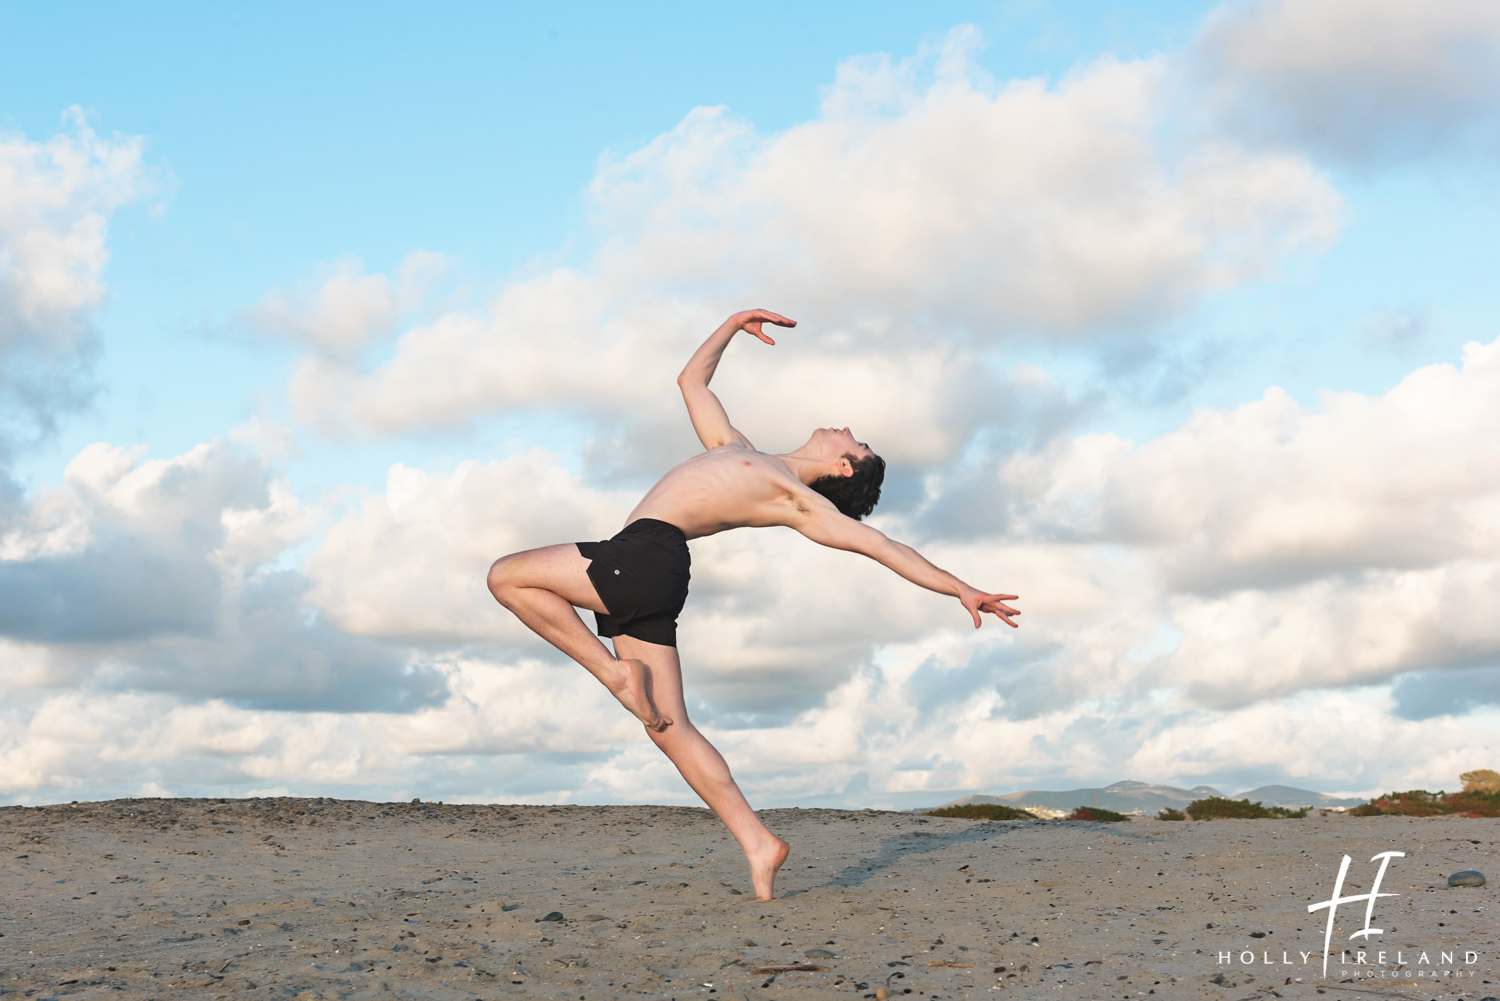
(855, 495)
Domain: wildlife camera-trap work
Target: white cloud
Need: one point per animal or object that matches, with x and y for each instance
(348, 310)
(56, 198)
(159, 575)
(1297, 548)
(986, 207)
(412, 562)
(533, 732)
(1271, 492)
(926, 212)
(1343, 630)
(1167, 648)
(1360, 80)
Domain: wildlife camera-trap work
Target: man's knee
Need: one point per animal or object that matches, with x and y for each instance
(504, 576)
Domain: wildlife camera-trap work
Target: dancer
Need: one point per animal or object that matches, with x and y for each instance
(636, 583)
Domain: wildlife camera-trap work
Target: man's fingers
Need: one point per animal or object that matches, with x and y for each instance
(753, 327)
(758, 316)
(776, 318)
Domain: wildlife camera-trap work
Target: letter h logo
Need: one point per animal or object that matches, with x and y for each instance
(1333, 903)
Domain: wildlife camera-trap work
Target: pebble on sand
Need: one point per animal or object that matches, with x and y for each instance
(1469, 877)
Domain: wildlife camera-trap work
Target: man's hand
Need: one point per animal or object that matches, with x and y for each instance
(704, 408)
(978, 601)
(751, 319)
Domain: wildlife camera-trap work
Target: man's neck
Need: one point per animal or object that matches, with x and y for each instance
(806, 469)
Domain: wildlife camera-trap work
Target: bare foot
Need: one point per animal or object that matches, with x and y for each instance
(631, 689)
(764, 864)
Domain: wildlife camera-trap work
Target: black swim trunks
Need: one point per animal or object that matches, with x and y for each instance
(642, 577)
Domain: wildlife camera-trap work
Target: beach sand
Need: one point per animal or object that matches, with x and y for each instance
(322, 898)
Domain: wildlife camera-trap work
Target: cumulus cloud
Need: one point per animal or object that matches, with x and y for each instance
(1295, 548)
(532, 732)
(1361, 81)
(990, 208)
(523, 726)
(56, 198)
(348, 310)
(159, 575)
(412, 562)
(926, 213)
(1166, 647)
(1272, 493)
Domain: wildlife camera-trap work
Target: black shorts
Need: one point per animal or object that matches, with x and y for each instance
(642, 577)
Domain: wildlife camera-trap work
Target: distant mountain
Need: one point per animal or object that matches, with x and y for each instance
(1293, 797)
(1123, 797)
(1144, 797)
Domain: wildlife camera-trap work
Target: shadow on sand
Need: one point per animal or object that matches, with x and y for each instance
(894, 850)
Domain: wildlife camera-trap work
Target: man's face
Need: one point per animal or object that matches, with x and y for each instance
(840, 441)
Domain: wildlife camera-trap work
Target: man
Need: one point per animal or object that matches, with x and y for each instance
(636, 583)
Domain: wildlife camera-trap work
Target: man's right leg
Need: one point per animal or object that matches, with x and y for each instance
(541, 587)
(704, 767)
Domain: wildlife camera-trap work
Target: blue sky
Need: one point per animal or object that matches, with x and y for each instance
(1160, 214)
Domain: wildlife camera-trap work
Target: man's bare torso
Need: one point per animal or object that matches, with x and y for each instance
(731, 486)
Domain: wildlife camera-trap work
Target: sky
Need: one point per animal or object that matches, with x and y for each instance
(1176, 319)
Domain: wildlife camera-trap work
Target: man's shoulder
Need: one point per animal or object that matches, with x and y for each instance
(766, 470)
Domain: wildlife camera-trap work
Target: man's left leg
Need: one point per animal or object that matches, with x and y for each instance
(703, 766)
(542, 587)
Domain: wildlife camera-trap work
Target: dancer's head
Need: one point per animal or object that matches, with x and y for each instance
(853, 483)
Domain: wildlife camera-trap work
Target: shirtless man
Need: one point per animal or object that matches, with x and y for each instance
(636, 583)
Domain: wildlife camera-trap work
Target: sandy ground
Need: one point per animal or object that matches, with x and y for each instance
(320, 898)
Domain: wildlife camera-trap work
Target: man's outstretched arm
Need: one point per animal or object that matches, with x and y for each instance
(822, 523)
(704, 408)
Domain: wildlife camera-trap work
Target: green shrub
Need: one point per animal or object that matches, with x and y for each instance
(1421, 803)
(982, 811)
(1219, 808)
(1094, 813)
(1168, 813)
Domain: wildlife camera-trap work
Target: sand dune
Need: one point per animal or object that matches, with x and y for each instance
(298, 898)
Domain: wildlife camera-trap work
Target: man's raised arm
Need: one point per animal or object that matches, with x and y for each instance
(822, 523)
(704, 408)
